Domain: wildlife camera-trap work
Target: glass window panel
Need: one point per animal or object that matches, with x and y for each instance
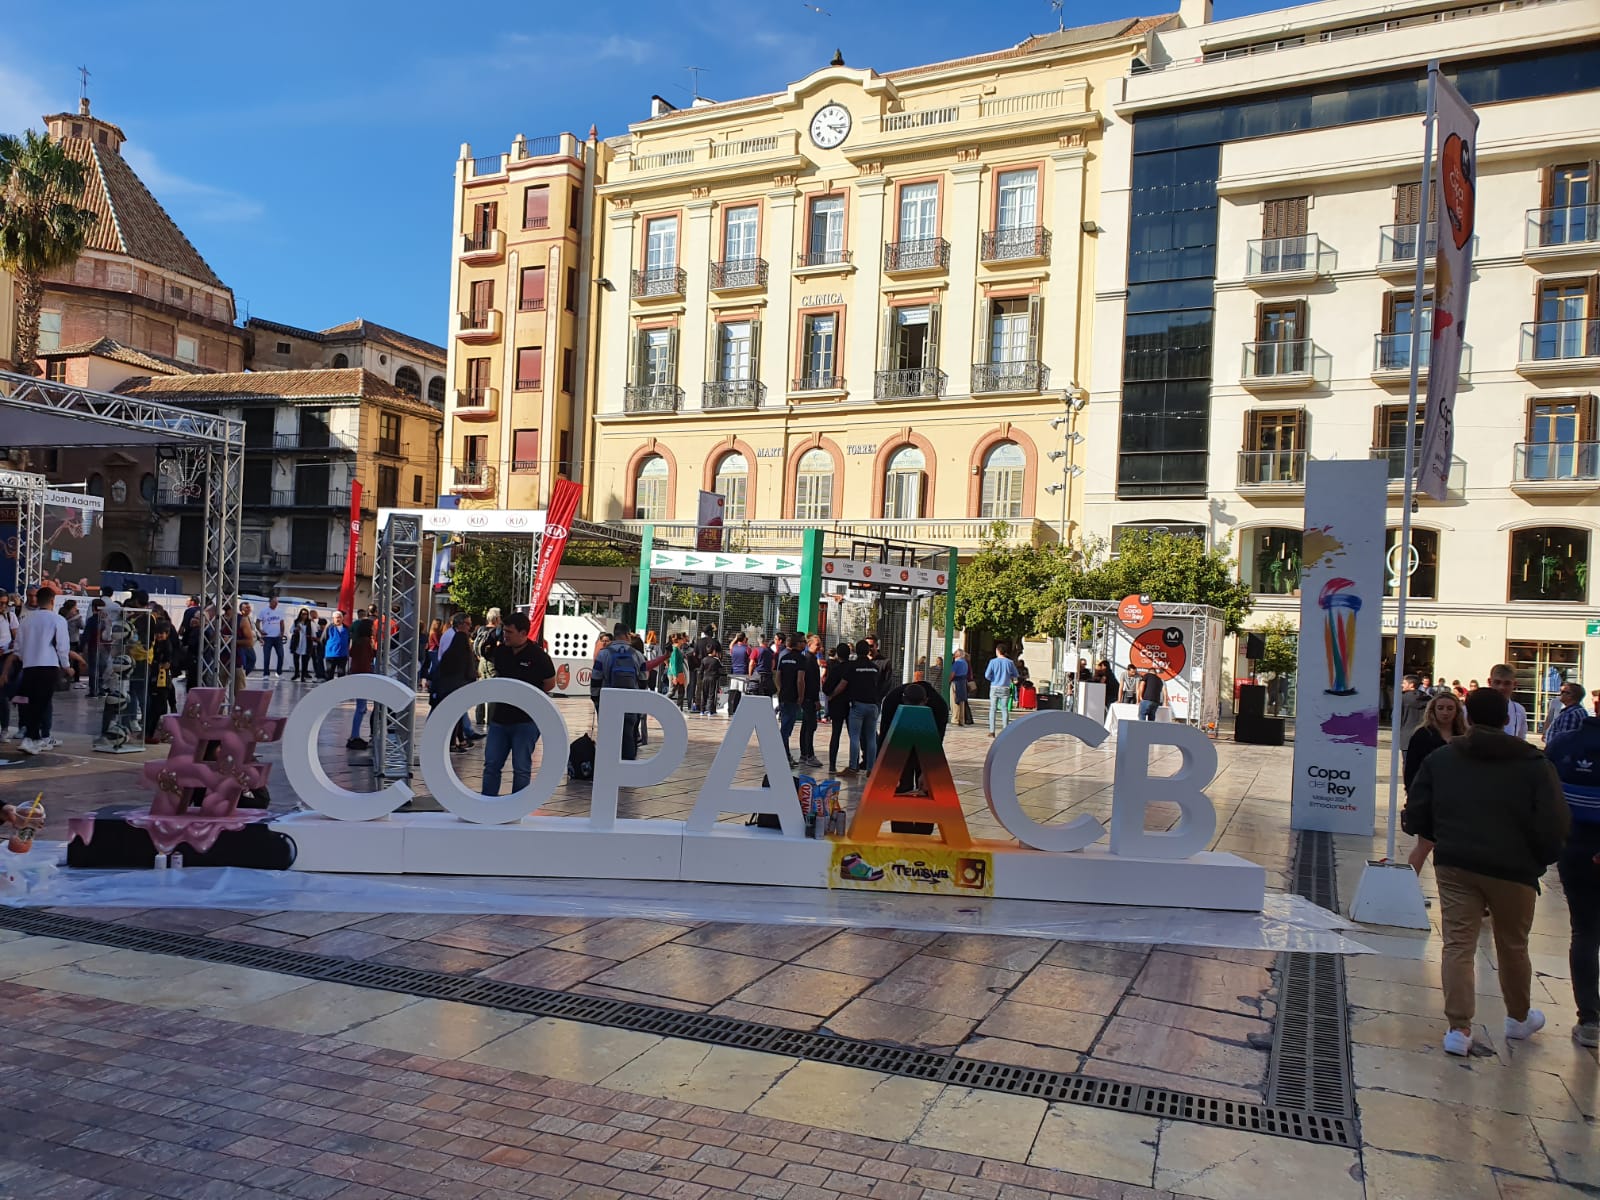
(661, 244)
(919, 211)
(1018, 200)
(1549, 563)
(1424, 559)
(735, 362)
(739, 237)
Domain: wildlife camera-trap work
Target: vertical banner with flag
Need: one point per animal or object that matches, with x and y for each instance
(552, 545)
(708, 524)
(1456, 126)
(347, 588)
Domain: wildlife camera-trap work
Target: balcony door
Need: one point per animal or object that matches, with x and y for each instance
(308, 544)
(1283, 230)
(477, 380)
(1569, 212)
(482, 301)
(913, 337)
(736, 357)
(904, 485)
(661, 245)
(1389, 437)
(739, 238)
(825, 232)
(919, 212)
(1017, 202)
(1400, 316)
(1560, 438)
(1274, 445)
(1281, 334)
(658, 354)
(1566, 309)
(820, 349)
(1010, 331)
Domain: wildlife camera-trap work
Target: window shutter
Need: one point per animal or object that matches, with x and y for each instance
(672, 355)
(1380, 426)
(1407, 203)
(1261, 322)
(1547, 187)
(920, 509)
(888, 358)
(1035, 325)
(1302, 319)
(636, 358)
(986, 315)
(1301, 441)
(1252, 430)
(755, 356)
(715, 335)
(930, 355)
(1388, 311)
(1586, 414)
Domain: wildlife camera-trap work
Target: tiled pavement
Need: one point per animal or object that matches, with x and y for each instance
(1516, 1126)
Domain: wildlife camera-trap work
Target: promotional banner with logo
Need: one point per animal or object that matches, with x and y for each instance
(708, 525)
(930, 871)
(552, 545)
(1456, 126)
(347, 586)
(1341, 603)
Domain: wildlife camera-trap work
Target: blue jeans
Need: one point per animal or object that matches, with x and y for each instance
(788, 714)
(516, 740)
(1147, 710)
(247, 659)
(269, 647)
(355, 723)
(863, 726)
(999, 705)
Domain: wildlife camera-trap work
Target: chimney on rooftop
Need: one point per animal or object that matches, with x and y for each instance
(1194, 13)
(659, 107)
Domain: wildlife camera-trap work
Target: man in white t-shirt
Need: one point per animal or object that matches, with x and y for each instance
(1504, 680)
(43, 643)
(270, 625)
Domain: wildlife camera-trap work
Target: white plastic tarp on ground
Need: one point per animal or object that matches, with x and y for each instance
(1288, 923)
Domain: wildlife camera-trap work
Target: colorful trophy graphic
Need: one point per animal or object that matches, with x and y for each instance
(1339, 634)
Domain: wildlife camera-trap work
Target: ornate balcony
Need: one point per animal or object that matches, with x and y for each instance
(822, 258)
(732, 393)
(652, 398)
(1015, 245)
(737, 274)
(814, 381)
(660, 283)
(908, 384)
(925, 254)
(1020, 375)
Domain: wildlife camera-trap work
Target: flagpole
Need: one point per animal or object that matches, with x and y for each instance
(1403, 568)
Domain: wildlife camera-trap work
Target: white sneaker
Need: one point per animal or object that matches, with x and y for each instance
(1527, 1027)
(48, 743)
(1586, 1035)
(29, 746)
(1459, 1043)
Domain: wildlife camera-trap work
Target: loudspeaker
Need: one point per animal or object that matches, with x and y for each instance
(1255, 646)
(1252, 700)
(1258, 731)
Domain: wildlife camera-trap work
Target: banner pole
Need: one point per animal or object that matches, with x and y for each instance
(1403, 567)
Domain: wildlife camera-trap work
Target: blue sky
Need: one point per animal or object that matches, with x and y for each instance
(307, 149)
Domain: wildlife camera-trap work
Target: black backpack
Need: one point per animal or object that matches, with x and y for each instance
(580, 758)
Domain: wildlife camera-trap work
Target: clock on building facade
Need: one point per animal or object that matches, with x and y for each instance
(830, 126)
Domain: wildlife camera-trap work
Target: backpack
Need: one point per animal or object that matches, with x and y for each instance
(621, 667)
(580, 758)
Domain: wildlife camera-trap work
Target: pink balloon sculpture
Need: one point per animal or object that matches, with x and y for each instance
(212, 750)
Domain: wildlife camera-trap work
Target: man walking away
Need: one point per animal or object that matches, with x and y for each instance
(1152, 695)
(1002, 676)
(712, 673)
(1412, 704)
(270, 623)
(810, 699)
(512, 732)
(621, 666)
(42, 644)
(92, 654)
(1493, 807)
(1576, 754)
(1503, 679)
(960, 680)
(363, 646)
(790, 678)
(866, 683)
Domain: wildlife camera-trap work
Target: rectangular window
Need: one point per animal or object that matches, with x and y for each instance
(49, 331)
(525, 450)
(485, 219)
(1017, 205)
(1561, 440)
(284, 348)
(308, 544)
(1389, 437)
(188, 350)
(531, 298)
(564, 451)
(740, 233)
(475, 449)
(1274, 447)
(1285, 218)
(1570, 212)
(567, 359)
(56, 370)
(1009, 334)
(388, 487)
(574, 206)
(658, 367)
(572, 290)
(1281, 345)
(530, 368)
(389, 433)
(314, 431)
(1565, 325)
(825, 231)
(416, 489)
(477, 381)
(661, 244)
(734, 359)
(257, 482)
(819, 350)
(919, 212)
(1400, 319)
(536, 206)
(481, 303)
(813, 495)
(258, 428)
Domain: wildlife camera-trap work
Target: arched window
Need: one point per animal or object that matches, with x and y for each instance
(1550, 562)
(1270, 563)
(732, 483)
(409, 382)
(813, 487)
(1003, 470)
(905, 483)
(650, 490)
(436, 390)
(341, 360)
(118, 561)
(95, 485)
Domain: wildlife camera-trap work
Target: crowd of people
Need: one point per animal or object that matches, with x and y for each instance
(1493, 811)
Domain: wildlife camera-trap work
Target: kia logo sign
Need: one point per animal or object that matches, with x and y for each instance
(555, 531)
(827, 568)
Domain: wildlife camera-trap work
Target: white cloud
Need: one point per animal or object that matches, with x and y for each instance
(195, 200)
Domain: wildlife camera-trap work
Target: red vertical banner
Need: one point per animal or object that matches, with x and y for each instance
(552, 545)
(347, 589)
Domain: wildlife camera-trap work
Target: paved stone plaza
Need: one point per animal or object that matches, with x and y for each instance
(151, 1074)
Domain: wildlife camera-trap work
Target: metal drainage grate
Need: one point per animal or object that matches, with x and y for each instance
(1272, 1118)
(1310, 1069)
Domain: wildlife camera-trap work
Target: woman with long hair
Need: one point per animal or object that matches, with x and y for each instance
(430, 653)
(1442, 721)
(302, 634)
(836, 690)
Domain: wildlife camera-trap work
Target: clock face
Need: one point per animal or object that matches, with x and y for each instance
(830, 126)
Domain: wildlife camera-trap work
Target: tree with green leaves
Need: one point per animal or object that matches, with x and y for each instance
(481, 577)
(42, 227)
(1170, 569)
(1281, 655)
(1003, 588)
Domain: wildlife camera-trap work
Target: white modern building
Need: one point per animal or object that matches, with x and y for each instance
(1256, 292)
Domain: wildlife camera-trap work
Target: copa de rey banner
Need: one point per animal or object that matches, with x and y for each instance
(1457, 179)
(1341, 604)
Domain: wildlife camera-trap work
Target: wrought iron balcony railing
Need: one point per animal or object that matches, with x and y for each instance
(816, 381)
(660, 281)
(738, 273)
(652, 397)
(924, 254)
(1025, 241)
(733, 393)
(908, 383)
(824, 258)
(1020, 375)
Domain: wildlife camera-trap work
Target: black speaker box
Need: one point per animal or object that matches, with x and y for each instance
(1252, 700)
(1258, 731)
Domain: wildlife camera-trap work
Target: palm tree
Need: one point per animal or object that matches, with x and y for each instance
(41, 226)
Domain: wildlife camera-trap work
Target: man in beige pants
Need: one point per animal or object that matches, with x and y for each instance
(1493, 806)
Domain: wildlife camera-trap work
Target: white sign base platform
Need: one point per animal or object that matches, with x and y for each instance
(1390, 894)
(569, 848)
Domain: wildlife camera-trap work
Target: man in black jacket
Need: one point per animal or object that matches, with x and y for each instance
(1492, 804)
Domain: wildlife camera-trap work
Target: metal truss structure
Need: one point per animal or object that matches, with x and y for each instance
(42, 413)
(399, 575)
(28, 490)
(1090, 623)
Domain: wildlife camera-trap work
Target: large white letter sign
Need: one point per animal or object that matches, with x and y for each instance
(302, 767)
(1000, 781)
(611, 773)
(467, 802)
(1134, 787)
(719, 795)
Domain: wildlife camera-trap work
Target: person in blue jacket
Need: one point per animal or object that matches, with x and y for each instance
(1576, 755)
(336, 648)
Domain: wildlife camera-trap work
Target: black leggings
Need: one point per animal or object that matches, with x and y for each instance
(302, 666)
(838, 717)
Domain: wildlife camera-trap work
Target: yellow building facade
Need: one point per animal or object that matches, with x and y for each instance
(865, 299)
(519, 301)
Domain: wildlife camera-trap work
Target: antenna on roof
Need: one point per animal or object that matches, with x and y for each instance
(694, 80)
(1061, 16)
